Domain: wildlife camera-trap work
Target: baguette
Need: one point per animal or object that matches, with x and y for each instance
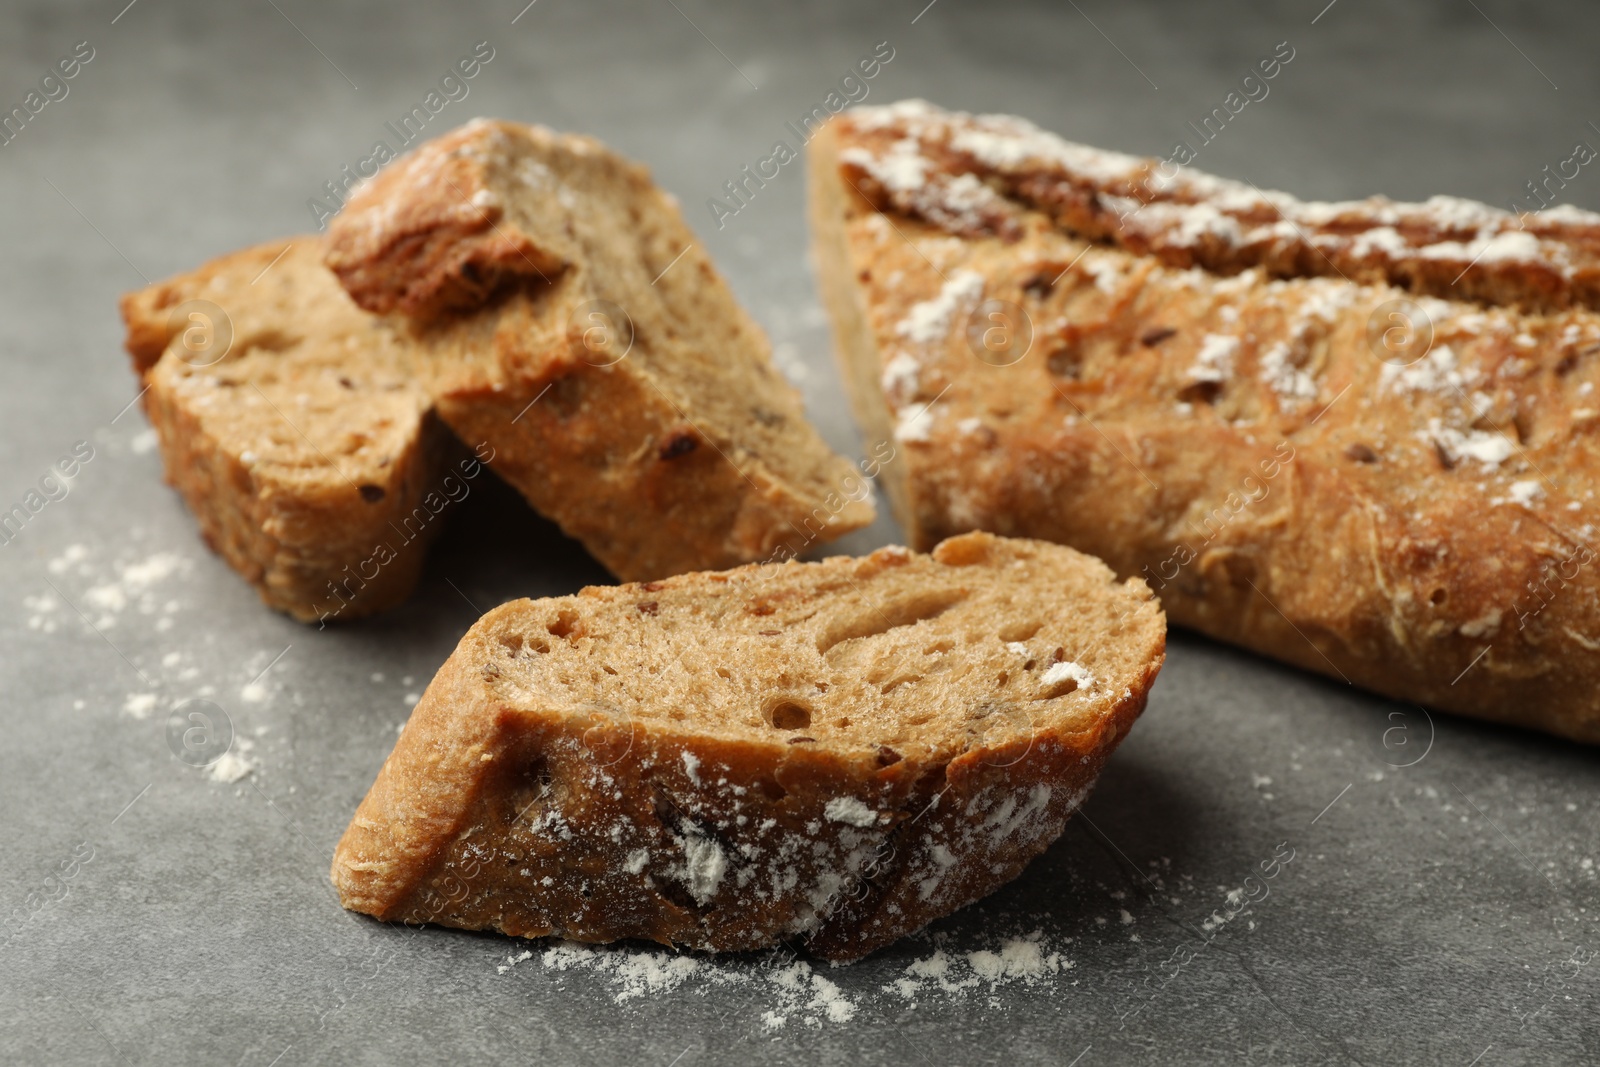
(1360, 438)
(835, 753)
(291, 424)
(567, 316)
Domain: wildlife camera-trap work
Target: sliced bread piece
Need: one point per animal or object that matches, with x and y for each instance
(1261, 405)
(624, 391)
(835, 753)
(291, 423)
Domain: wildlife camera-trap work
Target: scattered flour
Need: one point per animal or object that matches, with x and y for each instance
(1025, 960)
(929, 321)
(704, 866)
(235, 763)
(139, 705)
(851, 811)
(793, 992)
(134, 586)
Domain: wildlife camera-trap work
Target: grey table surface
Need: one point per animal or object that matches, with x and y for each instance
(1440, 904)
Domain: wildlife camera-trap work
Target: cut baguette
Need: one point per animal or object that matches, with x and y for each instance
(624, 391)
(835, 753)
(1208, 403)
(291, 423)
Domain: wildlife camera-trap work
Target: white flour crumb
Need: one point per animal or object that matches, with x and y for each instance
(253, 692)
(704, 866)
(132, 588)
(1523, 492)
(139, 705)
(793, 992)
(143, 442)
(1060, 672)
(235, 763)
(851, 811)
(411, 699)
(691, 766)
(929, 321)
(1214, 361)
(1028, 960)
(73, 555)
(514, 959)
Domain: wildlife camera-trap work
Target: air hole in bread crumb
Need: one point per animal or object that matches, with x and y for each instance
(1438, 596)
(515, 643)
(1360, 453)
(1019, 631)
(843, 724)
(1203, 392)
(880, 619)
(939, 647)
(787, 714)
(887, 756)
(565, 624)
(770, 789)
(1065, 363)
(372, 493)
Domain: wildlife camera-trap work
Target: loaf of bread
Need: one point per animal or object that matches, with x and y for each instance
(833, 753)
(568, 317)
(1358, 437)
(290, 421)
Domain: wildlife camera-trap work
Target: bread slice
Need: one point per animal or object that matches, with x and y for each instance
(624, 391)
(835, 753)
(293, 426)
(1284, 415)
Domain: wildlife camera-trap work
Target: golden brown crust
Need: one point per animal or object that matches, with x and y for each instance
(428, 234)
(289, 422)
(984, 174)
(625, 392)
(617, 764)
(1415, 521)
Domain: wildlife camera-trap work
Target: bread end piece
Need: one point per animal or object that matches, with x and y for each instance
(626, 394)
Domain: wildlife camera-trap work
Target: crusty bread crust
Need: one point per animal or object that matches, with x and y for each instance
(1203, 406)
(619, 764)
(660, 436)
(306, 450)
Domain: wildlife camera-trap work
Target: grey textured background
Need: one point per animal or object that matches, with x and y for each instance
(1440, 913)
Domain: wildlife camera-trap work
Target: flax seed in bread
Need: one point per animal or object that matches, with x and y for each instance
(1357, 437)
(292, 425)
(835, 753)
(569, 318)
